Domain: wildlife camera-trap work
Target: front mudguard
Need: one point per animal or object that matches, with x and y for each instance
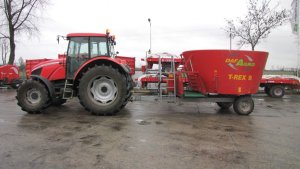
(47, 83)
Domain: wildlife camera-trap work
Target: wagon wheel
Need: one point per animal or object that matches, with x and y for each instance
(243, 105)
(224, 105)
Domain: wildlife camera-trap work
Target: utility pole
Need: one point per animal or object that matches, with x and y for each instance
(149, 52)
(230, 37)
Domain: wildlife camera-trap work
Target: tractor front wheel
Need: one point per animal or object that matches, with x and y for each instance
(102, 90)
(32, 96)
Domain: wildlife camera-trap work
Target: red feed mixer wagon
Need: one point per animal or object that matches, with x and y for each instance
(224, 72)
(227, 77)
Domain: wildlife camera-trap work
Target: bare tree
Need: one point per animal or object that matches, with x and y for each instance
(21, 64)
(4, 50)
(18, 16)
(257, 24)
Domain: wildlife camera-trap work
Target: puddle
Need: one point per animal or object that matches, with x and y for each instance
(142, 122)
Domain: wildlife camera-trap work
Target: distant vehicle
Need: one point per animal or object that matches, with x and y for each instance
(10, 76)
(275, 85)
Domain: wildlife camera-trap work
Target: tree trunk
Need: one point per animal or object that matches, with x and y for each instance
(12, 49)
(11, 28)
(252, 47)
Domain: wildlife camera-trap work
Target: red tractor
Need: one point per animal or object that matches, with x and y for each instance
(91, 71)
(10, 75)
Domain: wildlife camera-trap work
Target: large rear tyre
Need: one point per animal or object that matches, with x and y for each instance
(243, 105)
(277, 91)
(32, 96)
(102, 90)
(130, 84)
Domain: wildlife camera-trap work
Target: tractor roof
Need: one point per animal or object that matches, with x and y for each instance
(86, 34)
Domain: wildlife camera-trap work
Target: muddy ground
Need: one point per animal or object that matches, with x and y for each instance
(149, 134)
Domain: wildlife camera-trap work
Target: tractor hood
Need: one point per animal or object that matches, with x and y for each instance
(52, 62)
(53, 69)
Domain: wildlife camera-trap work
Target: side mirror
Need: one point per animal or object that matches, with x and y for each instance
(57, 39)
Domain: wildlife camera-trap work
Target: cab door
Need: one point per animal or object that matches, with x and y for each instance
(78, 53)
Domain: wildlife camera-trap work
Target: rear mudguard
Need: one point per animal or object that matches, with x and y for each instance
(115, 62)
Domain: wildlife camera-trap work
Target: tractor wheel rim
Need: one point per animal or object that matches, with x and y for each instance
(104, 90)
(245, 106)
(33, 96)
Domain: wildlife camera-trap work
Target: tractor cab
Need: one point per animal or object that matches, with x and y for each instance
(84, 46)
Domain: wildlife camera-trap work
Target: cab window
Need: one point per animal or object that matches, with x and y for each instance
(98, 46)
(79, 47)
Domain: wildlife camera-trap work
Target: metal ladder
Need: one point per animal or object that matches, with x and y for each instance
(68, 89)
(171, 95)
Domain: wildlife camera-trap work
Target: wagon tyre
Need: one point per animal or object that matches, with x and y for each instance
(102, 90)
(32, 96)
(243, 105)
(224, 105)
(277, 91)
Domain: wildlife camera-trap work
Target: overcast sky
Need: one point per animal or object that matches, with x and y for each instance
(177, 26)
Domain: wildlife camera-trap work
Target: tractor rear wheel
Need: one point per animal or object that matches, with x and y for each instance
(32, 96)
(102, 90)
(129, 84)
(243, 105)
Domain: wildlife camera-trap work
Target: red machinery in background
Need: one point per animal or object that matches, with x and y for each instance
(10, 75)
(276, 85)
